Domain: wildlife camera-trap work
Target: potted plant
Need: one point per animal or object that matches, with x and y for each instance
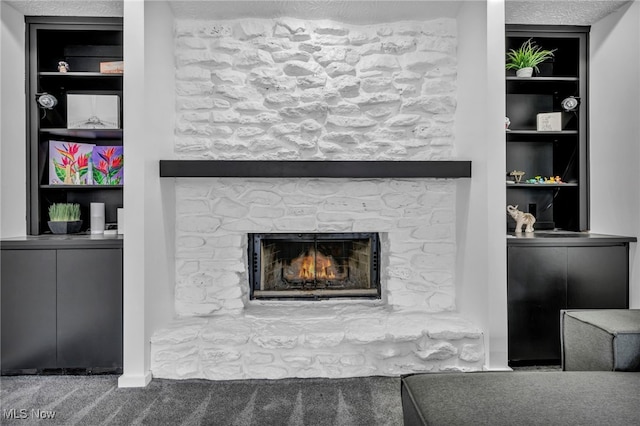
(64, 218)
(527, 58)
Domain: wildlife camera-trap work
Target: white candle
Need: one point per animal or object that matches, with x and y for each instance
(97, 218)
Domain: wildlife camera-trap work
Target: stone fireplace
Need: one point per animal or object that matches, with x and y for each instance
(286, 89)
(314, 266)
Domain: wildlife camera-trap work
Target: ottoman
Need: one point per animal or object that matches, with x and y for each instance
(521, 398)
(600, 339)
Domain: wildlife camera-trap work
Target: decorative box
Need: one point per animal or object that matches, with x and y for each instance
(552, 121)
(115, 67)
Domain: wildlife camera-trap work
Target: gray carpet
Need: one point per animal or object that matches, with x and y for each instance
(96, 400)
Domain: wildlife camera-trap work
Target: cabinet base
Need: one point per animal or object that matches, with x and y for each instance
(62, 371)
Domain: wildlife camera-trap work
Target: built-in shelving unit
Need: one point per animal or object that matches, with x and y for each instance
(560, 153)
(556, 267)
(83, 43)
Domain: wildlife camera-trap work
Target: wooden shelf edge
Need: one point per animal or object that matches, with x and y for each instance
(78, 74)
(541, 79)
(542, 185)
(88, 187)
(315, 169)
(537, 132)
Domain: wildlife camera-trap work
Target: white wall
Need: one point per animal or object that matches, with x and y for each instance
(13, 151)
(159, 193)
(480, 115)
(614, 103)
(148, 202)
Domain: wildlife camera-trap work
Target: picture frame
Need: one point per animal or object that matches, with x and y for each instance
(70, 163)
(93, 111)
(107, 163)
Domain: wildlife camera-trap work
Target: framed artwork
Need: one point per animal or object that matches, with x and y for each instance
(108, 165)
(70, 163)
(92, 111)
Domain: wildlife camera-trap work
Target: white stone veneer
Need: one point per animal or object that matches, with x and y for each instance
(290, 89)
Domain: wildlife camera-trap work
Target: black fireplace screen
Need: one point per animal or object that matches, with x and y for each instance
(314, 265)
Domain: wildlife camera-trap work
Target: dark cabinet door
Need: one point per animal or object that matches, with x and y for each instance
(28, 303)
(598, 277)
(90, 308)
(536, 291)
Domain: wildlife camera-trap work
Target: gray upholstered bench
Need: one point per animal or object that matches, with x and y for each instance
(522, 398)
(601, 339)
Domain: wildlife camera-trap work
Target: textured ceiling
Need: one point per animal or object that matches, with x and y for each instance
(557, 12)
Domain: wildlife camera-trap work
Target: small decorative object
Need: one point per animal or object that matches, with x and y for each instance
(517, 175)
(527, 58)
(107, 164)
(93, 111)
(521, 218)
(97, 218)
(507, 123)
(63, 66)
(551, 121)
(120, 216)
(69, 163)
(114, 67)
(64, 218)
(545, 180)
(46, 101)
(570, 103)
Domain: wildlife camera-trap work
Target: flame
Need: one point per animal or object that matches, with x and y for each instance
(316, 265)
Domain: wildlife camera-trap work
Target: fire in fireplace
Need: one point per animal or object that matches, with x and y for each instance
(314, 266)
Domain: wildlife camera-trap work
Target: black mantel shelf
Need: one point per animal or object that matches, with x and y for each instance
(315, 169)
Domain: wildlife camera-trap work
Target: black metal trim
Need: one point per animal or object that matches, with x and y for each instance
(527, 28)
(254, 246)
(316, 169)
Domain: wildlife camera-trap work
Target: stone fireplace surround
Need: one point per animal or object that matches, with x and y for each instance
(306, 90)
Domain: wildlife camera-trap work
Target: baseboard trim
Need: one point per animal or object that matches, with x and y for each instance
(134, 381)
(486, 368)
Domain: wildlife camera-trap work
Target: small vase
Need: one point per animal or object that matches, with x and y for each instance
(524, 72)
(71, 227)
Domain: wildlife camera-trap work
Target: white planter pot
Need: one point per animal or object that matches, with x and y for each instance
(524, 72)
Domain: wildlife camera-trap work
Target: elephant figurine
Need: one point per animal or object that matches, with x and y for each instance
(521, 218)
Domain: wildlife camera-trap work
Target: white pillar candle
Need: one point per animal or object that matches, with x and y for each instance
(97, 218)
(120, 221)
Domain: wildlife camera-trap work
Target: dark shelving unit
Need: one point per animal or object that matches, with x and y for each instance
(561, 265)
(83, 43)
(561, 153)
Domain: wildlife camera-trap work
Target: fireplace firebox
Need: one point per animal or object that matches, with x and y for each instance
(314, 265)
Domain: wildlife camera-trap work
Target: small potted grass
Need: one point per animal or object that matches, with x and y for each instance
(64, 218)
(527, 58)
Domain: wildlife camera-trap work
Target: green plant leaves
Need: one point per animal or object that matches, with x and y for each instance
(64, 212)
(528, 55)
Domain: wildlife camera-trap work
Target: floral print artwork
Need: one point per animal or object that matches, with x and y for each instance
(74, 163)
(70, 163)
(107, 165)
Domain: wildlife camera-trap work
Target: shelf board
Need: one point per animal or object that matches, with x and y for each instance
(77, 74)
(540, 79)
(536, 132)
(542, 185)
(81, 187)
(85, 133)
(315, 169)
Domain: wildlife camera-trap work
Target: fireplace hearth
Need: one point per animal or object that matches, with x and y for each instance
(312, 266)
